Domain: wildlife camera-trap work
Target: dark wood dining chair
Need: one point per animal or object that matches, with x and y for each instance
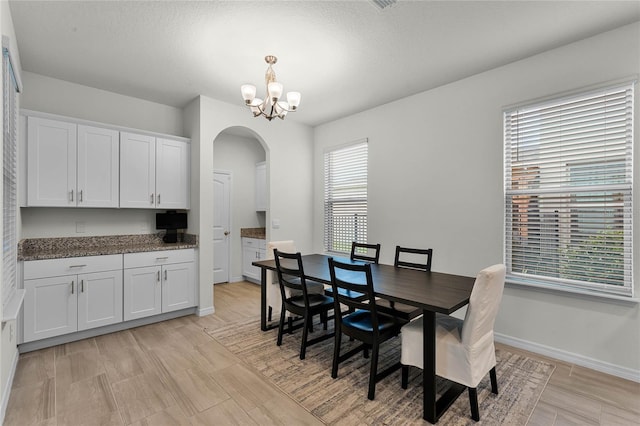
(365, 252)
(362, 322)
(411, 258)
(299, 301)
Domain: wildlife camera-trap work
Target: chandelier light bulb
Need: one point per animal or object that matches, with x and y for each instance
(293, 98)
(275, 90)
(248, 92)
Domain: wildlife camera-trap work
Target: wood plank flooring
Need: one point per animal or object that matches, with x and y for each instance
(173, 373)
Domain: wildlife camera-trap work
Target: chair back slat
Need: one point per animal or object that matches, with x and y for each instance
(426, 266)
(365, 252)
(290, 272)
(484, 303)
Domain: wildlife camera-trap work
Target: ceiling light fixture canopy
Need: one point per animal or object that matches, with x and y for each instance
(271, 107)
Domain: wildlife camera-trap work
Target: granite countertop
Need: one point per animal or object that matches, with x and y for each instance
(259, 233)
(58, 248)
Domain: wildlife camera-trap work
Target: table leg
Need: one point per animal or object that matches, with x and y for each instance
(263, 299)
(429, 370)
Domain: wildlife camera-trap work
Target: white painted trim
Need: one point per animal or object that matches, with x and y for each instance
(236, 279)
(205, 311)
(573, 358)
(6, 392)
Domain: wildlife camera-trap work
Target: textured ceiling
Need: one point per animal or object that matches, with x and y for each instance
(343, 56)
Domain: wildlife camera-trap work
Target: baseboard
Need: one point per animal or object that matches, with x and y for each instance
(236, 279)
(6, 392)
(205, 311)
(573, 358)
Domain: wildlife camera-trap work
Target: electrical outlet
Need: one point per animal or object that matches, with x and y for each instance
(80, 227)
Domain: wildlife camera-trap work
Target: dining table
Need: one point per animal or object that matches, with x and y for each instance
(433, 292)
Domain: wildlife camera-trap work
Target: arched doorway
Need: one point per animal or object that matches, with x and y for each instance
(239, 157)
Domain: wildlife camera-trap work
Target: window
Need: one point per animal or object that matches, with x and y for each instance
(345, 196)
(568, 192)
(9, 177)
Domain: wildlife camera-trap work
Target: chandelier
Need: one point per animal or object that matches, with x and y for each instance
(271, 107)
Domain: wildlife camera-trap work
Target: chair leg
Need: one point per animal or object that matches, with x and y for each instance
(494, 380)
(305, 333)
(473, 400)
(336, 353)
(373, 372)
(365, 352)
(405, 376)
(281, 326)
(270, 312)
(290, 325)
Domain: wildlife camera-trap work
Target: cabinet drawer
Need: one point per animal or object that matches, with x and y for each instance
(256, 243)
(71, 266)
(155, 258)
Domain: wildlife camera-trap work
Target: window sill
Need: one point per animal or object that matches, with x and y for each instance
(586, 293)
(12, 308)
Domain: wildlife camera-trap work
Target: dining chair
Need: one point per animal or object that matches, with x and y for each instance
(411, 258)
(465, 350)
(299, 301)
(362, 322)
(273, 288)
(366, 252)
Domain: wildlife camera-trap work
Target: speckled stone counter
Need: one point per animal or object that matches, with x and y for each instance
(253, 233)
(58, 248)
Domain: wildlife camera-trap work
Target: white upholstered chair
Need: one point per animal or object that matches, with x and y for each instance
(465, 350)
(274, 300)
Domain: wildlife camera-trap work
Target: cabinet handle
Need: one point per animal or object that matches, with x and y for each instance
(82, 286)
(80, 196)
(71, 195)
(72, 285)
(77, 266)
(158, 199)
(158, 277)
(165, 274)
(151, 198)
(162, 258)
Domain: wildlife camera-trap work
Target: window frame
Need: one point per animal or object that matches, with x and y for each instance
(357, 204)
(511, 187)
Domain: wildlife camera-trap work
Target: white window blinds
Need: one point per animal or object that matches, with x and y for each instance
(568, 191)
(9, 178)
(345, 196)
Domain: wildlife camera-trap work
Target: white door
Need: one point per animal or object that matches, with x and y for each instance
(98, 167)
(51, 163)
(178, 286)
(142, 292)
(137, 171)
(99, 299)
(172, 174)
(221, 226)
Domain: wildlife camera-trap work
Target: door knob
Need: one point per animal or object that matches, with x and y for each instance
(226, 233)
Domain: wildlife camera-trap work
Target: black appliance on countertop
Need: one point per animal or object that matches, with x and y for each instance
(171, 221)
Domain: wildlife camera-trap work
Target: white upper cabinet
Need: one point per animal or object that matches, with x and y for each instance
(98, 167)
(261, 186)
(51, 163)
(71, 165)
(137, 171)
(172, 174)
(154, 172)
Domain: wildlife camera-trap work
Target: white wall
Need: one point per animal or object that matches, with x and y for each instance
(239, 156)
(289, 151)
(436, 180)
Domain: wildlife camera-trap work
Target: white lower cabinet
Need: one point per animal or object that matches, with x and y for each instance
(73, 294)
(253, 249)
(158, 282)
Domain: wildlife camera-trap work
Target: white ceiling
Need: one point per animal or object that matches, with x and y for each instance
(343, 56)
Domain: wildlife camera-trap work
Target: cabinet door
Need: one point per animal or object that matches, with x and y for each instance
(137, 171)
(142, 292)
(99, 299)
(98, 167)
(51, 163)
(172, 174)
(50, 307)
(249, 255)
(261, 187)
(178, 286)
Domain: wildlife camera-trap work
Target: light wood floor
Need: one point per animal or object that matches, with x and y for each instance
(174, 373)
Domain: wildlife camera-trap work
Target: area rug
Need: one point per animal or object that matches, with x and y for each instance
(343, 401)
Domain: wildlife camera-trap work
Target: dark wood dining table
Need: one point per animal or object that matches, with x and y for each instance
(434, 292)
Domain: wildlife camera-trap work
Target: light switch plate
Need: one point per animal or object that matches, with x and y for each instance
(275, 224)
